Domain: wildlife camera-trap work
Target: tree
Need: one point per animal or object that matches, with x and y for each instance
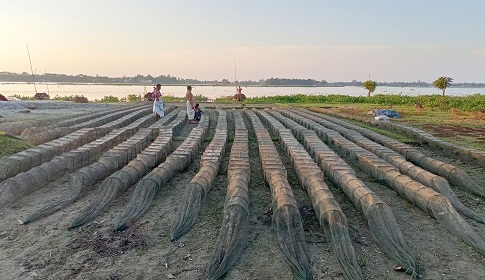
(442, 83)
(370, 86)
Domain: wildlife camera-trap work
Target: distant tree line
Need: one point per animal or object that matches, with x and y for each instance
(81, 78)
(171, 80)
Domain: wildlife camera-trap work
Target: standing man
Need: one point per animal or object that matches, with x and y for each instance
(158, 102)
(190, 104)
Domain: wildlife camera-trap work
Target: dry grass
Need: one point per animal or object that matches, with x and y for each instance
(477, 115)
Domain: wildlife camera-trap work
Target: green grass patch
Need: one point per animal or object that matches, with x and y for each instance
(11, 145)
(469, 103)
(412, 117)
(178, 138)
(361, 261)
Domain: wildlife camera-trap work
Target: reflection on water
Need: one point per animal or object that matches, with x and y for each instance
(98, 91)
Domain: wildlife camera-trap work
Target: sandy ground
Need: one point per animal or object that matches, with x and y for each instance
(47, 250)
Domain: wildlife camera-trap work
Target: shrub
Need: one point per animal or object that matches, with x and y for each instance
(80, 99)
(110, 99)
(171, 98)
(132, 98)
(200, 97)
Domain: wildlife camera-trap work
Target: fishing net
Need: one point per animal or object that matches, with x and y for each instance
(195, 192)
(327, 209)
(437, 205)
(417, 173)
(83, 180)
(286, 217)
(453, 174)
(381, 221)
(148, 187)
(234, 231)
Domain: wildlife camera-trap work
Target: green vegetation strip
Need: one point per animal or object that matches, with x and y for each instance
(469, 103)
(11, 145)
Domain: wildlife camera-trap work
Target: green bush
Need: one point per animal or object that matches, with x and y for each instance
(200, 98)
(171, 98)
(23, 97)
(223, 99)
(133, 98)
(110, 99)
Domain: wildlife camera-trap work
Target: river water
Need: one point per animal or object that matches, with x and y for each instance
(92, 91)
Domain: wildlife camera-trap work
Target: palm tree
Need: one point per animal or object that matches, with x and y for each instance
(370, 86)
(442, 83)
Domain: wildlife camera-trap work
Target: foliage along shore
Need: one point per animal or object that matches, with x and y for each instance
(10, 77)
(469, 103)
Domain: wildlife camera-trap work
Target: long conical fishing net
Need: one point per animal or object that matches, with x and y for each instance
(417, 173)
(453, 174)
(234, 231)
(415, 192)
(190, 204)
(286, 217)
(381, 221)
(328, 211)
(83, 180)
(122, 179)
(147, 188)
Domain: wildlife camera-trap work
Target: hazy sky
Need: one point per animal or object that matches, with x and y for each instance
(339, 40)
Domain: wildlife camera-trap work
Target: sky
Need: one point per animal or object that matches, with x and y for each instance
(339, 40)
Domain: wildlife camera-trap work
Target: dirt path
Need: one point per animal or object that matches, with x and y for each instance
(47, 250)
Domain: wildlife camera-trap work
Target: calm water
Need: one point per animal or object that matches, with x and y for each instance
(98, 91)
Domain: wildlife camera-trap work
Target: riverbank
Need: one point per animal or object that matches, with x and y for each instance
(95, 91)
(45, 249)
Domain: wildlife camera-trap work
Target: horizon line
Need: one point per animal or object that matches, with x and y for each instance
(195, 79)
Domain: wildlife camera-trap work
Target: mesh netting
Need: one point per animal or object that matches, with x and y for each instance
(453, 174)
(417, 173)
(79, 184)
(107, 192)
(413, 191)
(188, 210)
(441, 209)
(291, 239)
(83, 180)
(195, 192)
(234, 231)
(232, 238)
(147, 187)
(286, 217)
(328, 211)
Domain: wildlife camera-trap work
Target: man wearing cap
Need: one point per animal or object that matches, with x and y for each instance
(190, 104)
